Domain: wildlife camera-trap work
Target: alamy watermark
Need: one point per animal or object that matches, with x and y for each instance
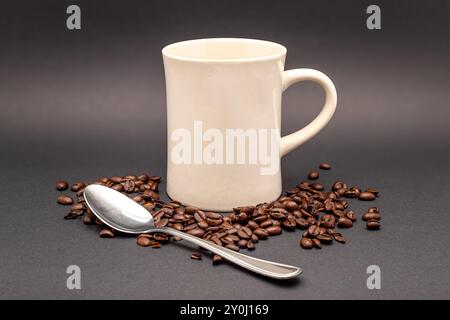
(73, 281)
(233, 146)
(374, 280)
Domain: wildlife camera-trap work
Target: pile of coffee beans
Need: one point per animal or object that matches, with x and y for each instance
(307, 206)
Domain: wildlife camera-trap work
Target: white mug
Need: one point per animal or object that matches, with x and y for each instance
(224, 118)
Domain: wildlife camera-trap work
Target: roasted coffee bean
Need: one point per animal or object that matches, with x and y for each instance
(129, 186)
(301, 223)
(255, 238)
(232, 247)
(345, 223)
(77, 186)
(328, 221)
(373, 224)
(290, 205)
(252, 225)
(306, 243)
(274, 230)
(316, 243)
(373, 191)
(371, 216)
(88, 219)
(161, 237)
(78, 206)
(366, 196)
(203, 224)
(325, 166)
(106, 233)
(161, 223)
(213, 215)
(196, 232)
(217, 259)
(144, 241)
(313, 175)
(289, 224)
(325, 238)
(116, 179)
(65, 200)
(214, 222)
(278, 213)
(261, 233)
(245, 233)
(317, 186)
(313, 231)
(339, 238)
(373, 209)
(62, 185)
(117, 187)
(155, 245)
(242, 217)
(351, 215)
(250, 245)
(243, 243)
(196, 255)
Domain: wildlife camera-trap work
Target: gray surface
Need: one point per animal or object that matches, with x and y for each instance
(82, 105)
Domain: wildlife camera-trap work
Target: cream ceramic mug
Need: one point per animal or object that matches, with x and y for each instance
(224, 118)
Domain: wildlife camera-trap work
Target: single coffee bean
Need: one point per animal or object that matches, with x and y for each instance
(129, 186)
(290, 205)
(155, 245)
(213, 215)
(313, 175)
(313, 231)
(106, 233)
(117, 187)
(325, 166)
(325, 238)
(77, 186)
(316, 243)
(261, 233)
(143, 241)
(243, 243)
(373, 224)
(214, 222)
(217, 259)
(88, 219)
(373, 209)
(302, 223)
(274, 230)
(203, 224)
(245, 233)
(328, 221)
(371, 216)
(196, 232)
(317, 186)
(62, 185)
(252, 225)
(374, 191)
(65, 200)
(366, 196)
(250, 245)
(232, 247)
(196, 255)
(161, 237)
(306, 243)
(351, 215)
(339, 238)
(345, 223)
(78, 206)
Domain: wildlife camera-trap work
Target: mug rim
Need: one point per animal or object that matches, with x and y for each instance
(274, 56)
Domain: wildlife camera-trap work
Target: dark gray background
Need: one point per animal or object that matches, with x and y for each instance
(83, 104)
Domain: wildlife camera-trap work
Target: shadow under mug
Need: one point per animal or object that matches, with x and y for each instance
(224, 117)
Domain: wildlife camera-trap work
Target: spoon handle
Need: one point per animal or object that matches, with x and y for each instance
(264, 267)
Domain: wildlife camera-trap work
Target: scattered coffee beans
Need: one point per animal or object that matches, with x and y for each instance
(307, 206)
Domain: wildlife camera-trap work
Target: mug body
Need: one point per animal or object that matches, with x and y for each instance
(223, 121)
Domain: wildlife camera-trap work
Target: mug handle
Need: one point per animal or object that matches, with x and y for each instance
(294, 140)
